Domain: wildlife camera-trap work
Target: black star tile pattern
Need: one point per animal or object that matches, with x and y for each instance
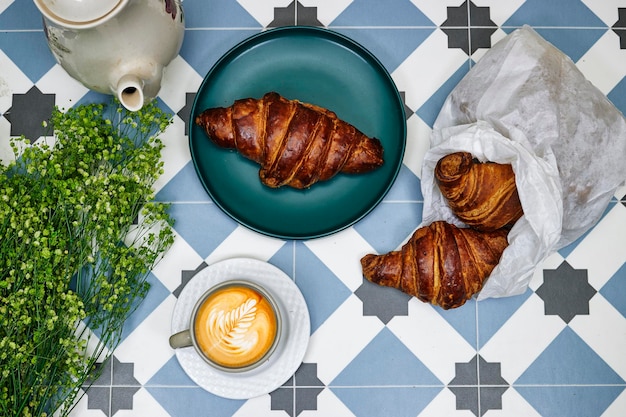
(478, 386)
(29, 112)
(185, 112)
(186, 276)
(114, 388)
(382, 302)
(302, 390)
(468, 27)
(565, 292)
(408, 112)
(295, 14)
(620, 27)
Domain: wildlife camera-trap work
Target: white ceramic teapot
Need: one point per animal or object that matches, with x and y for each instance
(117, 47)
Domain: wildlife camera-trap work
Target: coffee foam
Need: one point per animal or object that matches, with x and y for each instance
(235, 327)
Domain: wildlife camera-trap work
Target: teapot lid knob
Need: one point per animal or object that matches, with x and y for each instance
(77, 12)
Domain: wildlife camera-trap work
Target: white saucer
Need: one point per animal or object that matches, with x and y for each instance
(294, 336)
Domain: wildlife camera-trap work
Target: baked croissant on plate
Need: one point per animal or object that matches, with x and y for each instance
(296, 144)
(482, 194)
(441, 263)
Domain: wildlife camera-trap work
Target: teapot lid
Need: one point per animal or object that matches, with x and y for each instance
(77, 12)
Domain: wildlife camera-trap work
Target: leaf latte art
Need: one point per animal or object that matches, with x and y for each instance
(235, 326)
(232, 327)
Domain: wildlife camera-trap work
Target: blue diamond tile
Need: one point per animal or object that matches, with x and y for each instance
(569, 379)
(494, 312)
(618, 95)
(398, 215)
(171, 374)
(568, 360)
(187, 401)
(157, 293)
(397, 219)
(184, 186)
(386, 361)
(390, 46)
(431, 108)
(21, 15)
(203, 226)
(554, 13)
(382, 13)
(570, 401)
(386, 401)
(202, 48)
(93, 97)
(321, 288)
(615, 290)
(22, 46)
(383, 364)
(217, 14)
(407, 187)
(463, 320)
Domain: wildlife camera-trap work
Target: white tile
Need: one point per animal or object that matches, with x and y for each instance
(522, 339)
(601, 65)
(444, 404)
(424, 71)
(417, 144)
(179, 78)
(616, 409)
(500, 11)
(4, 4)
(341, 338)
(6, 153)
(603, 251)
(259, 407)
(514, 405)
(432, 339)
(246, 243)
(328, 405)
(178, 258)
(341, 253)
(12, 81)
(327, 11)
(175, 154)
(68, 91)
(263, 11)
(605, 9)
(553, 261)
(604, 330)
(148, 345)
(436, 11)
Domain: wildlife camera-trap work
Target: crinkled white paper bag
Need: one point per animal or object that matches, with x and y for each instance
(527, 104)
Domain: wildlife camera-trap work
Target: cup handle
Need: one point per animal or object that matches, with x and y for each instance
(181, 339)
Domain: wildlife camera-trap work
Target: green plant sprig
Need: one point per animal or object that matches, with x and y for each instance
(79, 233)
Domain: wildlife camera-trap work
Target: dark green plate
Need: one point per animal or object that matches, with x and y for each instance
(312, 65)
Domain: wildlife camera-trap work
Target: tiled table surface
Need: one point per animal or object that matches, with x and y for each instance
(372, 352)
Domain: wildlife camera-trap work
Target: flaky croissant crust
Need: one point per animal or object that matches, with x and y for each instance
(440, 264)
(483, 195)
(296, 143)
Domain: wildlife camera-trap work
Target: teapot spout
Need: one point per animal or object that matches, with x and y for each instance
(130, 92)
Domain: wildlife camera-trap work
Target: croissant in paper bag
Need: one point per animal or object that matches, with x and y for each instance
(441, 263)
(483, 195)
(296, 144)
